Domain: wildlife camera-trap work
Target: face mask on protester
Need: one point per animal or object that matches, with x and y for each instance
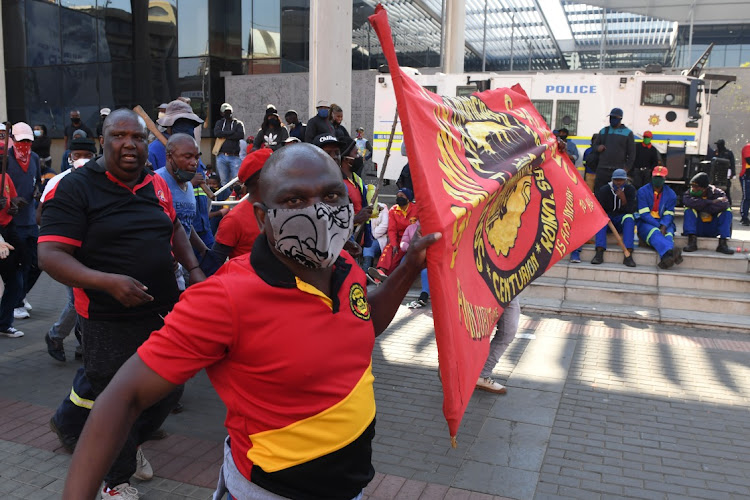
(693, 192)
(615, 121)
(323, 113)
(78, 163)
(183, 127)
(657, 181)
(312, 236)
(75, 121)
(37, 133)
(646, 141)
(401, 201)
(183, 175)
(274, 123)
(22, 151)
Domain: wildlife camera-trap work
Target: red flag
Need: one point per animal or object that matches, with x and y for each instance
(488, 176)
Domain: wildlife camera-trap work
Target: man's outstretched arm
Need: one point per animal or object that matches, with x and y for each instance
(388, 296)
(134, 388)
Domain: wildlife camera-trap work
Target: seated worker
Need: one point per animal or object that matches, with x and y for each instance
(239, 229)
(299, 394)
(379, 227)
(655, 218)
(618, 199)
(400, 216)
(707, 213)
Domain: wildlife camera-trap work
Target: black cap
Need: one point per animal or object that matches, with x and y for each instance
(82, 144)
(325, 139)
(349, 144)
(700, 179)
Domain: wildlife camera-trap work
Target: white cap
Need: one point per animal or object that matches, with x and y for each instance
(226, 106)
(105, 111)
(322, 103)
(22, 132)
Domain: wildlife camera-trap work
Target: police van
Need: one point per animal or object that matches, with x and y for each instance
(674, 107)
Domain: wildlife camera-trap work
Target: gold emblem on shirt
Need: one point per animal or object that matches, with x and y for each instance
(358, 302)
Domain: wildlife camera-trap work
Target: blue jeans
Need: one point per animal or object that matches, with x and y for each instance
(227, 166)
(425, 284)
(745, 186)
(67, 319)
(720, 224)
(625, 224)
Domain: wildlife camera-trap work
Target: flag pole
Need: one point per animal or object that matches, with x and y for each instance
(382, 170)
(618, 238)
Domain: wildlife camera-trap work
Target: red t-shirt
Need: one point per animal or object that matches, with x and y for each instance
(238, 229)
(292, 366)
(355, 195)
(10, 193)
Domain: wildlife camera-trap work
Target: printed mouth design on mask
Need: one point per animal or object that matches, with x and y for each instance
(312, 236)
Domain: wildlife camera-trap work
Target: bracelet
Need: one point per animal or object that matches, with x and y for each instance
(193, 268)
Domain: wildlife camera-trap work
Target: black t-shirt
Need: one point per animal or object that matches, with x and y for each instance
(70, 130)
(116, 230)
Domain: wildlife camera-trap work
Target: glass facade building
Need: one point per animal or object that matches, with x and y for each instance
(88, 54)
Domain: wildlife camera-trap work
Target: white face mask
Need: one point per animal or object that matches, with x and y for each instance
(160, 115)
(313, 236)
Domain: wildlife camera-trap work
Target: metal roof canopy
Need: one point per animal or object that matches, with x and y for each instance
(682, 11)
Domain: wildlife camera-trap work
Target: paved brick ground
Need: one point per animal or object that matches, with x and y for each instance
(594, 410)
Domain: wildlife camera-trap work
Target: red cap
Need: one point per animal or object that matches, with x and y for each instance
(659, 171)
(648, 133)
(253, 163)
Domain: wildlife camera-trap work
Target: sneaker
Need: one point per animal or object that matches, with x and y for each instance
(55, 348)
(12, 333)
(745, 221)
(20, 313)
(120, 492)
(599, 256)
(416, 304)
(143, 469)
(372, 280)
(575, 257)
(26, 305)
(377, 274)
(489, 385)
(67, 442)
(628, 261)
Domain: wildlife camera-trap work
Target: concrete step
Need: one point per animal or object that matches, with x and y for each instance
(708, 320)
(703, 243)
(702, 259)
(651, 275)
(641, 295)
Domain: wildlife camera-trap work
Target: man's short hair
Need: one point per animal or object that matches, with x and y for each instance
(176, 139)
(80, 134)
(121, 112)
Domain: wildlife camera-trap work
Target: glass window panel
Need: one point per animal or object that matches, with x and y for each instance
(162, 28)
(79, 30)
(733, 56)
(116, 82)
(295, 36)
(194, 82)
(43, 20)
(545, 109)
(266, 38)
(567, 116)
(14, 91)
(192, 26)
(14, 34)
(79, 89)
(43, 98)
(247, 28)
(669, 94)
(116, 31)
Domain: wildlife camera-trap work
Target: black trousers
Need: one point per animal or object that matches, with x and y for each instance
(107, 345)
(603, 176)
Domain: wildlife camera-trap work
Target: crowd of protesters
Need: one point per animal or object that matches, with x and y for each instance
(135, 223)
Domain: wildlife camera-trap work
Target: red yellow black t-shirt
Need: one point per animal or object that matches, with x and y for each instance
(292, 365)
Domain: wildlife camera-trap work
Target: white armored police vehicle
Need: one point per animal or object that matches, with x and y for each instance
(674, 107)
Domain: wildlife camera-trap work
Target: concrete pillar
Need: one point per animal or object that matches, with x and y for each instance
(455, 39)
(3, 94)
(331, 55)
